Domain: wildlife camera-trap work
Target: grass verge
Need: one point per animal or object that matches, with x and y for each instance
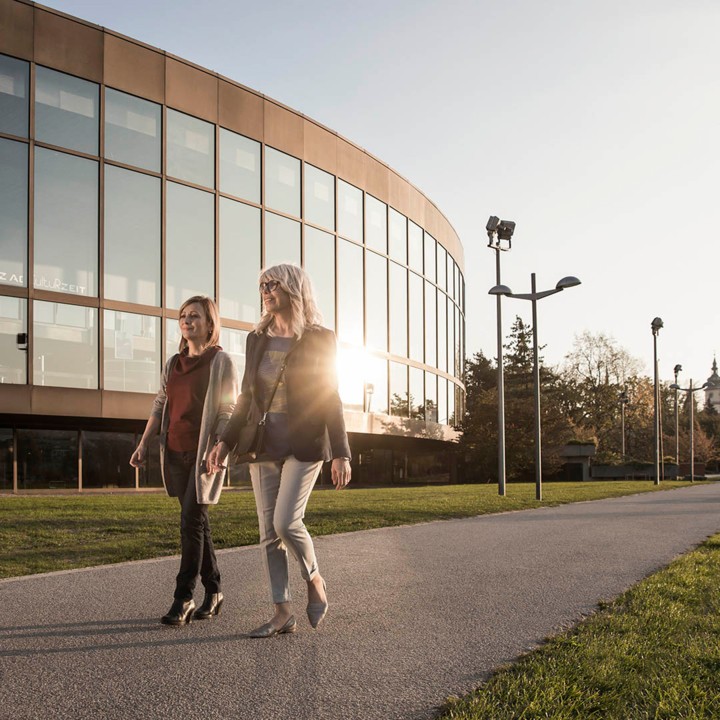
(652, 653)
(45, 533)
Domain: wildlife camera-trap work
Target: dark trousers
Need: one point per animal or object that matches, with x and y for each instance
(198, 553)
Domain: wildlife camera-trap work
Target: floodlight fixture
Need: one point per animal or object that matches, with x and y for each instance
(499, 232)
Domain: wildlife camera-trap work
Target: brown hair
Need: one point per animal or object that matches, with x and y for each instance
(211, 314)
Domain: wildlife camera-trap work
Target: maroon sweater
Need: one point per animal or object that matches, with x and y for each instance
(186, 390)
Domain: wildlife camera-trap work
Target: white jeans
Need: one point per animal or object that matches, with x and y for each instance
(282, 490)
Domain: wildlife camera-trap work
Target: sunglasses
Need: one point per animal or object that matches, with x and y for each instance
(269, 286)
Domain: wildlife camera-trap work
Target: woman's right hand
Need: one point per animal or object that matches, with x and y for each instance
(216, 459)
(139, 456)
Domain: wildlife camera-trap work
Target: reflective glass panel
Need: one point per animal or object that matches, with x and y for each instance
(376, 301)
(132, 352)
(47, 459)
(239, 260)
(105, 459)
(320, 265)
(441, 267)
(13, 360)
(376, 224)
(351, 370)
(282, 182)
(172, 338)
(6, 459)
(190, 149)
(376, 385)
(350, 213)
(282, 240)
(430, 253)
(450, 265)
(239, 166)
(415, 247)
(13, 212)
(14, 106)
(66, 345)
(66, 111)
(133, 130)
(132, 236)
(416, 318)
(397, 236)
(442, 402)
(417, 393)
(399, 390)
(441, 331)
(450, 337)
(398, 310)
(233, 343)
(431, 409)
(319, 197)
(430, 325)
(66, 223)
(190, 244)
(452, 391)
(350, 292)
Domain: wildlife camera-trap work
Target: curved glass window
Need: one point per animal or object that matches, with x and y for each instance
(442, 403)
(132, 236)
(13, 212)
(397, 236)
(66, 111)
(190, 149)
(233, 343)
(65, 345)
(376, 385)
(239, 261)
(429, 245)
(430, 324)
(417, 393)
(320, 265)
(282, 240)
(416, 317)
(189, 244)
(239, 166)
(376, 301)
(431, 409)
(350, 211)
(441, 331)
(350, 292)
(399, 390)
(450, 337)
(66, 223)
(13, 320)
(133, 130)
(319, 197)
(131, 352)
(398, 310)
(282, 182)
(415, 247)
(441, 267)
(14, 106)
(376, 224)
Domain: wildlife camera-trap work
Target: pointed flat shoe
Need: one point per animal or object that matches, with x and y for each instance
(316, 611)
(269, 630)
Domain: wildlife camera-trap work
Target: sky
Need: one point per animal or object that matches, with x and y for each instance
(594, 125)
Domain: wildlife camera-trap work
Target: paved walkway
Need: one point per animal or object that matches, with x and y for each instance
(417, 613)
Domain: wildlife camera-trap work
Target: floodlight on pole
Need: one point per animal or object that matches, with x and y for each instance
(500, 234)
(656, 325)
(691, 398)
(677, 370)
(534, 296)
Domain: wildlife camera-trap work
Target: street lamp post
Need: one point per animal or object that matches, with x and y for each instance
(623, 403)
(534, 296)
(500, 234)
(656, 324)
(691, 399)
(677, 370)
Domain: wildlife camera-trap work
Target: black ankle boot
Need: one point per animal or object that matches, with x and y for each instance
(180, 613)
(211, 606)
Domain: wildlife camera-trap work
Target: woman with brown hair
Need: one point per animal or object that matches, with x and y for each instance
(290, 382)
(191, 410)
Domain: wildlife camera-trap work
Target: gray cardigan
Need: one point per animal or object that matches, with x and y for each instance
(219, 404)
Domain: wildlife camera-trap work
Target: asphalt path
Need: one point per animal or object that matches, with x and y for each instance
(418, 613)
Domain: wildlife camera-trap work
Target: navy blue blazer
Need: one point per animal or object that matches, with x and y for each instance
(315, 416)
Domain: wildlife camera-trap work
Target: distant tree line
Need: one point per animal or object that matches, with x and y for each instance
(580, 402)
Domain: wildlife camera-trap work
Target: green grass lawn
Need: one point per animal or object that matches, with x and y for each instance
(652, 653)
(49, 532)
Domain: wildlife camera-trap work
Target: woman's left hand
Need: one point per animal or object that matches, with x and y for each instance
(340, 473)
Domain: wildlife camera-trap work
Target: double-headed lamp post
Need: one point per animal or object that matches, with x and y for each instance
(656, 324)
(534, 296)
(623, 403)
(691, 399)
(677, 370)
(500, 234)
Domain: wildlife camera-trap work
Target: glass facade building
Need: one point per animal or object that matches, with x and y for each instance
(130, 180)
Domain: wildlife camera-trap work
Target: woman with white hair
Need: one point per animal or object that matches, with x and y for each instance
(290, 384)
